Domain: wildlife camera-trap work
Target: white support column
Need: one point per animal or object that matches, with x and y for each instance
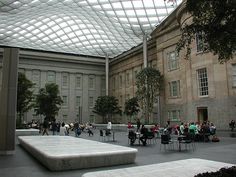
(8, 99)
(107, 75)
(144, 51)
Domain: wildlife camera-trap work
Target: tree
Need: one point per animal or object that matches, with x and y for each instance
(216, 19)
(48, 101)
(24, 96)
(148, 83)
(106, 106)
(131, 107)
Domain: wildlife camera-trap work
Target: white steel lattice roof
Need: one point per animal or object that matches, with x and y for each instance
(88, 27)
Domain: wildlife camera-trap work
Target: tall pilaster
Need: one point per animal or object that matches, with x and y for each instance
(8, 99)
(144, 51)
(107, 75)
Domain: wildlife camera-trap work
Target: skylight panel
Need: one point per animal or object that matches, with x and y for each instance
(117, 5)
(82, 38)
(67, 25)
(60, 32)
(106, 6)
(140, 12)
(55, 28)
(36, 31)
(127, 4)
(130, 12)
(148, 4)
(71, 35)
(138, 4)
(120, 13)
(151, 12)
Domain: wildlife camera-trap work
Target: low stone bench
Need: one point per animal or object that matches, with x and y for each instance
(59, 153)
(27, 132)
(183, 168)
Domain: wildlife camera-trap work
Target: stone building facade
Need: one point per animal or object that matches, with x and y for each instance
(197, 89)
(80, 79)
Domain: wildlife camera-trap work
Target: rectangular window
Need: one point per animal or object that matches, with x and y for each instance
(234, 75)
(90, 102)
(174, 115)
(174, 88)
(91, 82)
(51, 77)
(127, 79)
(199, 42)
(78, 81)
(65, 79)
(202, 82)
(36, 78)
(173, 60)
(65, 101)
(77, 101)
(120, 81)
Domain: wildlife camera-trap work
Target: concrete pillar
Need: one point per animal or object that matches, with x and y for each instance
(8, 98)
(107, 75)
(144, 51)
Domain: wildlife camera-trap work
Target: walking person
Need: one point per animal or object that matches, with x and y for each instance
(54, 127)
(138, 124)
(45, 126)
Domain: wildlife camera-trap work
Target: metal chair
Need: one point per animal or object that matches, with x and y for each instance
(165, 141)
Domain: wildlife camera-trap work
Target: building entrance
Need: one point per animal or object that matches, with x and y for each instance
(202, 114)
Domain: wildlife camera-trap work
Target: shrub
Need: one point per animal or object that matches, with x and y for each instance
(223, 172)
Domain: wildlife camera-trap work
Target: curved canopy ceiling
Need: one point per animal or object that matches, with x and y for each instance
(87, 27)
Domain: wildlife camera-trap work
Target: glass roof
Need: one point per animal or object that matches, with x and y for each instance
(87, 27)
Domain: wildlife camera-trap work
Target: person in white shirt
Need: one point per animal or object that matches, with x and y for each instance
(63, 130)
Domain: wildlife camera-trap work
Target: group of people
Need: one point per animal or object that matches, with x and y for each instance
(143, 132)
(199, 132)
(63, 129)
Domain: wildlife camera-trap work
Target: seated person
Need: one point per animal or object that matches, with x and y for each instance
(155, 129)
(181, 128)
(192, 128)
(143, 132)
(212, 129)
(130, 125)
(132, 137)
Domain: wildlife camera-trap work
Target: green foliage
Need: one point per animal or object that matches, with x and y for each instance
(217, 20)
(131, 106)
(106, 106)
(223, 172)
(24, 96)
(48, 101)
(148, 83)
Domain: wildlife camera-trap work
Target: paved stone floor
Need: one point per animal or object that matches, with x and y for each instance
(23, 164)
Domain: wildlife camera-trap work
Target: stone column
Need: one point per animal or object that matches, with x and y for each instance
(8, 98)
(107, 75)
(144, 51)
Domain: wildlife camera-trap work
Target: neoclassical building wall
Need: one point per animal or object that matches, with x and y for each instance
(122, 72)
(196, 89)
(80, 79)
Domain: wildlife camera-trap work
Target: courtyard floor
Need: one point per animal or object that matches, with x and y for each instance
(22, 164)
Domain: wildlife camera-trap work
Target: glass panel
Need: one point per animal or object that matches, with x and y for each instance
(58, 22)
(202, 82)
